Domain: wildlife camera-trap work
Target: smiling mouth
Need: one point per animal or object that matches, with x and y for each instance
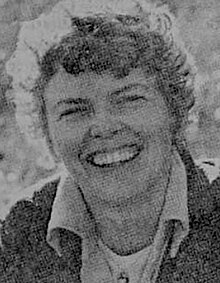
(115, 157)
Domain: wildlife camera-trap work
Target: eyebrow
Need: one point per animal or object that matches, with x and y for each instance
(129, 87)
(70, 101)
(79, 100)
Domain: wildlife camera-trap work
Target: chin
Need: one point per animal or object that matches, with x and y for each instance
(121, 182)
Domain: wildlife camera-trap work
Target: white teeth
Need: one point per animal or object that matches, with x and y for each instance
(103, 159)
(116, 157)
(109, 159)
(128, 155)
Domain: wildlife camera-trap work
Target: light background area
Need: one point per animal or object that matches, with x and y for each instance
(199, 22)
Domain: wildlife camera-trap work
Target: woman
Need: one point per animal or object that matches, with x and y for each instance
(111, 91)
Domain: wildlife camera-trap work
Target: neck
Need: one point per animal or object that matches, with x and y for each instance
(128, 228)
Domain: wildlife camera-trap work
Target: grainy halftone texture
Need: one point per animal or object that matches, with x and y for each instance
(25, 255)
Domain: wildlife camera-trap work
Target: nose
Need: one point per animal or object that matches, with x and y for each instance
(105, 126)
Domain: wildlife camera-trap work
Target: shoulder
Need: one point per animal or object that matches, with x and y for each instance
(203, 181)
(22, 214)
(200, 252)
(25, 253)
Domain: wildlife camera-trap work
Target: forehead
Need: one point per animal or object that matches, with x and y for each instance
(90, 84)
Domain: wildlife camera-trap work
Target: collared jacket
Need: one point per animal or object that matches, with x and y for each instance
(26, 256)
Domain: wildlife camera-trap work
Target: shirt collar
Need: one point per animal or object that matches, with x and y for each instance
(70, 212)
(176, 204)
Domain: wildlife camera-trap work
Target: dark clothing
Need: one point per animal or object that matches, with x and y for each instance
(27, 257)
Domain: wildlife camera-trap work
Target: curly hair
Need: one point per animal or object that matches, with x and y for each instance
(99, 45)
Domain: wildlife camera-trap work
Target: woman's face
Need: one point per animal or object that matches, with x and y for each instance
(112, 134)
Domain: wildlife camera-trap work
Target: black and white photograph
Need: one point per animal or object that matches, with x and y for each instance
(109, 141)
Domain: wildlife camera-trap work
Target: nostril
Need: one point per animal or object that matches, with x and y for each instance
(2, 156)
(114, 132)
(103, 131)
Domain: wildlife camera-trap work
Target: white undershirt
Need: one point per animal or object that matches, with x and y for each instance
(132, 266)
(102, 265)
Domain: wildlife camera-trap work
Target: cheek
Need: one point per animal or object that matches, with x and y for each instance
(156, 129)
(154, 123)
(69, 155)
(161, 140)
(65, 140)
(160, 133)
(160, 124)
(160, 147)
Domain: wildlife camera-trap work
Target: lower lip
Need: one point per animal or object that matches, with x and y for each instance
(116, 164)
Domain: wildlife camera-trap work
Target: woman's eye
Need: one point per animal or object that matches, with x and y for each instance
(133, 98)
(75, 111)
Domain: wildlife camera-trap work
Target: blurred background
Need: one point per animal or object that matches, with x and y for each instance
(24, 165)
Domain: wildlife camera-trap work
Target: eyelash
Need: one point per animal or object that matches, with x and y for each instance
(130, 98)
(84, 110)
(80, 110)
